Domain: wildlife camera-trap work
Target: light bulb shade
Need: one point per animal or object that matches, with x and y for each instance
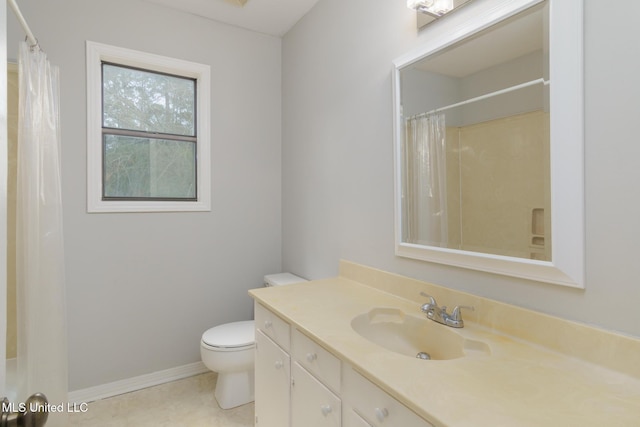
(435, 8)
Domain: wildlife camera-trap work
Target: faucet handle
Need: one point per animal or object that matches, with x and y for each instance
(455, 314)
(428, 307)
(432, 300)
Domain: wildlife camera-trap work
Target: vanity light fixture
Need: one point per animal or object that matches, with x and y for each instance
(435, 8)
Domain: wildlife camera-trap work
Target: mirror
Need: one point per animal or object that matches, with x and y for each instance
(489, 142)
(476, 174)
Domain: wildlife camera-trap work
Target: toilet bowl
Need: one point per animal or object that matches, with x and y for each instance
(228, 349)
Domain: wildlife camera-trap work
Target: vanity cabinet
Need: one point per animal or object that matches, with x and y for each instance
(298, 383)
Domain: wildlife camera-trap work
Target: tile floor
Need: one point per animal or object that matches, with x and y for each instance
(184, 403)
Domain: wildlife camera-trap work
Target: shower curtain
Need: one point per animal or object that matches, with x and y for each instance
(42, 330)
(425, 198)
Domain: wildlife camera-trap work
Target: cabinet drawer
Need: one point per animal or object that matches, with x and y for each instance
(352, 419)
(273, 326)
(312, 404)
(375, 406)
(324, 365)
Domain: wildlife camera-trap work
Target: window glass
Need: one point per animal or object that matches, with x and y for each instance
(146, 101)
(149, 168)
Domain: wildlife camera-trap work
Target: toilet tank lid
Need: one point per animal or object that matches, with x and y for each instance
(235, 334)
(282, 279)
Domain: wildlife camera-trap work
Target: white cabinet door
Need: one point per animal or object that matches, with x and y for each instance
(312, 404)
(272, 379)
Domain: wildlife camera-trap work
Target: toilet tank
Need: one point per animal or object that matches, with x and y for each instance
(281, 279)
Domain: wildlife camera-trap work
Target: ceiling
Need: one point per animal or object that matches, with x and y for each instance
(273, 17)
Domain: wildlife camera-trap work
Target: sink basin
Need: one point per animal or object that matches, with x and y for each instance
(409, 335)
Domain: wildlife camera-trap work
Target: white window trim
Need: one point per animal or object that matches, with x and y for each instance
(96, 54)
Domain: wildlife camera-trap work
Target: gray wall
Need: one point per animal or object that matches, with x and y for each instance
(141, 288)
(338, 171)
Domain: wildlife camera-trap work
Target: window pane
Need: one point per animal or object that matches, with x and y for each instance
(149, 168)
(147, 101)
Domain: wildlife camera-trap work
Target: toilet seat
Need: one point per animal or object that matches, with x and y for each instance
(233, 336)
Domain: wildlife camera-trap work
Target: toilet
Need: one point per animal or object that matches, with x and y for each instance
(228, 349)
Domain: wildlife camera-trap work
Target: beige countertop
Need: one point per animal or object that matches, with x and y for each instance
(520, 384)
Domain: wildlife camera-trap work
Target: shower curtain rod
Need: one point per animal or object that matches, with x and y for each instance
(485, 96)
(16, 10)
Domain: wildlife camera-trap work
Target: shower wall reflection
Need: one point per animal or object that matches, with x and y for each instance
(498, 187)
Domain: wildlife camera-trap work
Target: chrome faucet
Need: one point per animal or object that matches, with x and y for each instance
(440, 315)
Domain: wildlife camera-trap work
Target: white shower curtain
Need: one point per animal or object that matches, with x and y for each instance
(42, 331)
(425, 180)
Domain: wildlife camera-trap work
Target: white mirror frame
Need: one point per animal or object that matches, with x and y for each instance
(567, 141)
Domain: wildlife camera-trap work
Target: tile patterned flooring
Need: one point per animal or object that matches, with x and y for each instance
(184, 403)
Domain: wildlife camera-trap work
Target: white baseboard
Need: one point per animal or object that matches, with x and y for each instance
(136, 383)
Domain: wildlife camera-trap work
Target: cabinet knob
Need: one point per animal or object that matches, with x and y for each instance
(279, 364)
(325, 409)
(311, 357)
(381, 414)
(268, 324)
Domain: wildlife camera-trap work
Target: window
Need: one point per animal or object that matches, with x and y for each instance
(148, 136)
